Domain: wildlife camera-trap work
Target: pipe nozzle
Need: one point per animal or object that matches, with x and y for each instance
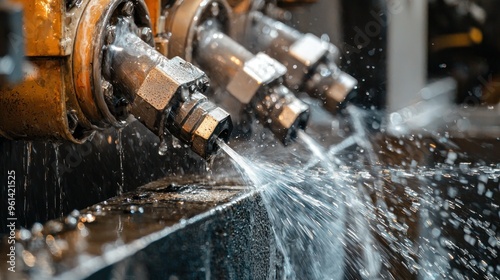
(165, 94)
(200, 123)
(330, 85)
(253, 80)
(283, 113)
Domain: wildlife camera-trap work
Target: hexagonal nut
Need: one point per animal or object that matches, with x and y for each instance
(257, 72)
(302, 56)
(293, 116)
(215, 124)
(153, 99)
(158, 89)
(338, 91)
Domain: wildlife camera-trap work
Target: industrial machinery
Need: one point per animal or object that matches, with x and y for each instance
(311, 62)
(12, 46)
(88, 79)
(122, 103)
(199, 32)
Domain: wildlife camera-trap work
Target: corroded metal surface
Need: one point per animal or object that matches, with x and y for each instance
(44, 27)
(37, 107)
(155, 10)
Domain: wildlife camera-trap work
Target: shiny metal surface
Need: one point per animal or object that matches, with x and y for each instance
(159, 90)
(92, 86)
(92, 37)
(198, 224)
(310, 61)
(169, 228)
(254, 80)
(199, 32)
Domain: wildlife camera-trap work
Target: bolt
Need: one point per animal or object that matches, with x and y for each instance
(215, 9)
(128, 9)
(146, 34)
(110, 34)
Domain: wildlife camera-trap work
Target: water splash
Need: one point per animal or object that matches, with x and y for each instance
(317, 150)
(339, 220)
(59, 189)
(27, 168)
(307, 218)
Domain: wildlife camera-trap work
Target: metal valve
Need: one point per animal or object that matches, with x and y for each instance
(309, 60)
(255, 81)
(165, 95)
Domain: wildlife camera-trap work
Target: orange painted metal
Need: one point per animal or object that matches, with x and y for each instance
(36, 108)
(44, 27)
(88, 33)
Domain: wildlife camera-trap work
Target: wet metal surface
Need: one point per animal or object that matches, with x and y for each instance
(187, 229)
(55, 178)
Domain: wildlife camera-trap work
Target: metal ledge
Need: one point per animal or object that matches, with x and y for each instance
(164, 230)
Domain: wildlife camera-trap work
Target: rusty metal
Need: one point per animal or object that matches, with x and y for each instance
(240, 6)
(44, 106)
(37, 107)
(62, 98)
(88, 53)
(44, 26)
(190, 15)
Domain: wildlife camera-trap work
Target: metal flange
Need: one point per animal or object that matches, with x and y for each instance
(184, 18)
(91, 39)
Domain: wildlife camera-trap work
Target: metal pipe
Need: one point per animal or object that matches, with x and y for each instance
(270, 30)
(220, 55)
(132, 60)
(310, 61)
(255, 80)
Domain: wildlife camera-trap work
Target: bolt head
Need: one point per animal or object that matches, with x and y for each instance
(259, 71)
(215, 9)
(215, 124)
(146, 34)
(158, 89)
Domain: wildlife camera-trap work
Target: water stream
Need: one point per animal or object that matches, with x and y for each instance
(348, 215)
(307, 218)
(361, 219)
(121, 156)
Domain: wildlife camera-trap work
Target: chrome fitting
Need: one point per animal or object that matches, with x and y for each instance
(284, 114)
(199, 122)
(258, 71)
(254, 80)
(310, 61)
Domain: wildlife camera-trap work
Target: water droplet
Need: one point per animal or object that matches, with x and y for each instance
(134, 209)
(163, 148)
